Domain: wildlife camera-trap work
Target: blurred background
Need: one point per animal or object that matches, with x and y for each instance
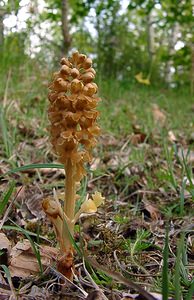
(150, 42)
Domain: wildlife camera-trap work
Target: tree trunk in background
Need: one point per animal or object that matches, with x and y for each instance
(99, 60)
(2, 14)
(66, 44)
(150, 36)
(171, 43)
(192, 69)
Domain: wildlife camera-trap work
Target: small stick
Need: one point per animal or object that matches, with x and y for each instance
(120, 278)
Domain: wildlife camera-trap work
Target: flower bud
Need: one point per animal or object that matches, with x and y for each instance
(65, 61)
(89, 207)
(76, 86)
(75, 57)
(90, 70)
(87, 63)
(87, 77)
(98, 199)
(74, 73)
(90, 89)
(65, 70)
(60, 85)
(53, 96)
(82, 58)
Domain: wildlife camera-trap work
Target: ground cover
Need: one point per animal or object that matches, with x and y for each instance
(143, 165)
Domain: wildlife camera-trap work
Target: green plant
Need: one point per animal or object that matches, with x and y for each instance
(165, 269)
(5, 197)
(176, 281)
(73, 117)
(7, 145)
(135, 247)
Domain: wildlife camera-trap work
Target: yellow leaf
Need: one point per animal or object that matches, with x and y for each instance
(89, 206)
(98, 199)
(140, 79)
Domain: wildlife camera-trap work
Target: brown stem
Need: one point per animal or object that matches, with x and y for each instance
(70, 191)
(69, 203)
(65, 264)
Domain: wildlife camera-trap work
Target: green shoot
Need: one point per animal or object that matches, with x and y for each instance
(5, 198)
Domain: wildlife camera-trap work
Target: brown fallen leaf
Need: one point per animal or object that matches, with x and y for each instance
(40, 142)
(158, 115)
(95, 164)
(171, 136)
(128, 296)
(4, 242)
(5, 248)
(152, 210)
(23, 261)
(108, 140)
(95, 295)
(39, 293)
(26, 130)
(137, 138)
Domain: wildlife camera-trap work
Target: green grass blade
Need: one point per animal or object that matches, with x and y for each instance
(188, 170)
(177, 277)
(10, 227)
(8, 275)
(168, 156)
(6, 140)
(35, 166)
(165, 286)
(6, 197)
(190, 294)
(182, 198)
(6, 270)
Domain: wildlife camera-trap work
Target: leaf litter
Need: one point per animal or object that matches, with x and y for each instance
(126, 235)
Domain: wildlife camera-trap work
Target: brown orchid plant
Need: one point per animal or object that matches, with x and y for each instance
(73, 130)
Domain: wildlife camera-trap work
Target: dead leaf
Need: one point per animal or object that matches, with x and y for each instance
(95, 295)
(26, 131)
(108, 140)
(23, 261)
(152, 210)
(158, 115)
(34, 205)
(138, 138)
(41, 142)
(4, 242)
(5, 248)
(129, 296)
(5, 294)
(171, 136)
(39, 293)
(95, 164)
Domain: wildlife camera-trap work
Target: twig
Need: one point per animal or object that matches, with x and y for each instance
(93, 282)
(122, 279)
(69, 281)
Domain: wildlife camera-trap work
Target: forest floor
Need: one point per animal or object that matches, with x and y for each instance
(143, 166)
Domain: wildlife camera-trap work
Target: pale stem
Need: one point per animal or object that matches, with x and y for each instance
(69, 203)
